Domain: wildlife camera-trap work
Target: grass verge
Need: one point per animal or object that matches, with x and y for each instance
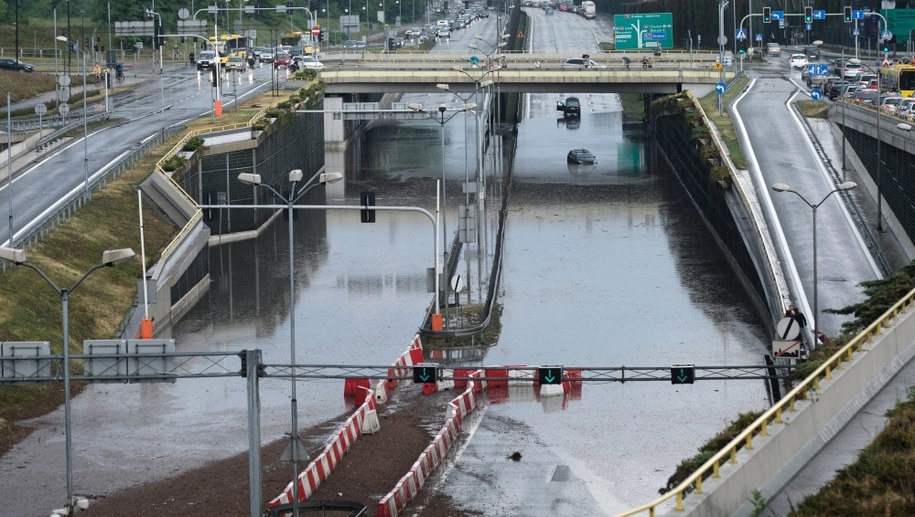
(813, 109)
(723, 121)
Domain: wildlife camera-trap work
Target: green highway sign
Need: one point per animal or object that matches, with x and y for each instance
(682, 374)
(900, 22)
(646, 30)
(424, 374)
(550, 375)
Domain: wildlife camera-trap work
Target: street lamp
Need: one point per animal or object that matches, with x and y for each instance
(109, 258)
(86, 192)
(442, 120)
(9, 158)
(295, 176)
(781, 187)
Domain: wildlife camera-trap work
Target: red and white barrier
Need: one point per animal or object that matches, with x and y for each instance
(409, 486)
(363, 420)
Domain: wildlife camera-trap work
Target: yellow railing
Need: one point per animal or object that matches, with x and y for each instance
(774, 414)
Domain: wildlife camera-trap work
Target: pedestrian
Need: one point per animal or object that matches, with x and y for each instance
(644, 63)
(797, 316)
(626, 61)
(504, 62)
(175, 54)
(97, 71)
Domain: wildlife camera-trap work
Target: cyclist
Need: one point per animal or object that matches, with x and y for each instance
(97, 72)
(119, 71)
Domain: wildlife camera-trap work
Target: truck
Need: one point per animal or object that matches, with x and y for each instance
(588, 10)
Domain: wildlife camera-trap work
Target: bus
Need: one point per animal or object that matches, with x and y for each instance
(900, 78)
(296, 39)
(227, 45)
(588, 10)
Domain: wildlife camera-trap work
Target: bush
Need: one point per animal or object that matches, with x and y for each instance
(193, 144)
(173, 163)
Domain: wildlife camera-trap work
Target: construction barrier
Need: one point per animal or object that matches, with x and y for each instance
(408, 487)
(363, 420)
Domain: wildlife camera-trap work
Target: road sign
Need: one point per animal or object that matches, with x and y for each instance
(40, 109)
(424, 374)
(778, 15)
(900, 22)
(721, 87)
(633, 31)
(886, 35)
(817, 69)
(786, 349)
(192, 26)
(63, 94)
(549, 375)
(809, 26)
(140, 28)
(682, 374)
(316, 31)
(787, 329)
(727, 61)
(816, 94)
(63, 109)
(819, 14)
(759, 37)
(855, 33)
(857, 14)
(741, 34)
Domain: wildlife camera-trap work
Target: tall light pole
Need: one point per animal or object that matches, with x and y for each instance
(781, 187)
(72, 44)
(442, 120)
(109, 258)
(295, 176)
(9, 158)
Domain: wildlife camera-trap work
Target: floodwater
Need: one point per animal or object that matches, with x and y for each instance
(605, 266)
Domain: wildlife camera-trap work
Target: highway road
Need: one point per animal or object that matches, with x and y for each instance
(180, 94)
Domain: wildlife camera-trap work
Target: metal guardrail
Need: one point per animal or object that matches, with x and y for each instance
(712, 467)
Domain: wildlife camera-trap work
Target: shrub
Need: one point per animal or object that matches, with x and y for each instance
(173, 163)
(193, 144)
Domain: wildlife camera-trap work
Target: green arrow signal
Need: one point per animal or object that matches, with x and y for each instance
(682, 374)
(549, 376)
(682, 377)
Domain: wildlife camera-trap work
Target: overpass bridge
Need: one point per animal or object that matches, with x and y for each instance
(525, 73)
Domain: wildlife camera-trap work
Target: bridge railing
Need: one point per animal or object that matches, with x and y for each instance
(809, 388)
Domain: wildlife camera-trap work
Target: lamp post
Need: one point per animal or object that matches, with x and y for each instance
(86, 192)
(442, 120)
(781, 187)
(295, 176)
(9, 158)
(109, 258)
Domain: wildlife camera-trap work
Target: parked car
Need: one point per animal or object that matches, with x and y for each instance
(581, 63)
(581, 157)
(236, 63)
(14, 64)
(571, 107)
(773, 49)
(797, 60)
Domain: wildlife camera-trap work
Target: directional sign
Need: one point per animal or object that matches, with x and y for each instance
(819, 14)
(857, 14)
(192, 26)
(682, 374)
(424, 374)
(759, 37)
(856, 33)
(741, 34)
(817, 69)
(809, 26)
(720, 88)
(778, 15)
(886, 35)
(816, 94)
(549, 375)
(140, 28)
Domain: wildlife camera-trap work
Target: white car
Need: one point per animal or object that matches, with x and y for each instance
(308, 62)
(797, 60)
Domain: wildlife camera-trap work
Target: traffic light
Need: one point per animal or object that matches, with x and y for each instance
(367, 199)
(549, 376)
(846, 16)
(321, 36)
(682, 374)
(767, 15)
(808, 14)
(424, 374)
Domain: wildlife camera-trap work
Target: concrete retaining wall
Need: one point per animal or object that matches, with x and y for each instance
(776, 458)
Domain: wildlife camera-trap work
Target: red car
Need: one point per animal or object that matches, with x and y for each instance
(282, 59)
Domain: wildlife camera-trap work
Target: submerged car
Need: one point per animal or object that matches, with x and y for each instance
(581, 157)
(570, 108)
